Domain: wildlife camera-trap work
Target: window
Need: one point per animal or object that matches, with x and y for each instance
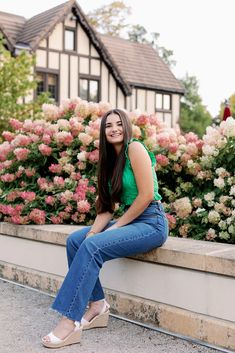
(89, 90)
(163, 107)
(47, 82)
(163, 101)
(69, 40)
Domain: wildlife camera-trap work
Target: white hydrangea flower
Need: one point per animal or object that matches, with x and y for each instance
(224, 235)
(231, 229)
(209, 196)
(232, 191)
(214, 217)
(219, 183)
(222, 225)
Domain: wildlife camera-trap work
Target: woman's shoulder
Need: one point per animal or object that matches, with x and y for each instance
(137, 147)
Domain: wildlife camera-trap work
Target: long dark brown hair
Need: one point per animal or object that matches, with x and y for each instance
(110, 166)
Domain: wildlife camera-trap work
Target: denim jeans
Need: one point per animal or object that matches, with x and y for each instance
(87, 255)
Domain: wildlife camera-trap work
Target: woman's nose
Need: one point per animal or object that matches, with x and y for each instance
(114, 128)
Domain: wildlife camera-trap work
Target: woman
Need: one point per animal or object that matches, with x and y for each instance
(126, 174)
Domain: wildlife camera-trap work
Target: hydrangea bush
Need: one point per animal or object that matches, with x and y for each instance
(48, 170)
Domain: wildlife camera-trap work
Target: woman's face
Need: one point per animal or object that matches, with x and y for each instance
(114, 129)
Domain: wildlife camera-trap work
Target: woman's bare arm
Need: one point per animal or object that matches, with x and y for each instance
(100, 223)
(142, 169)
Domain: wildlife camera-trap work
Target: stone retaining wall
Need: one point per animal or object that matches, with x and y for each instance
(186, 286)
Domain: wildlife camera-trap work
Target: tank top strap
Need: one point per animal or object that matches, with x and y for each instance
(151, 155)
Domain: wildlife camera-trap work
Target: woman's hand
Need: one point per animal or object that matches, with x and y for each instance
(112, 227)
(90, 234)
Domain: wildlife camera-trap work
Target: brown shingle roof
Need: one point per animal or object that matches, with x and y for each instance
(11, 25)
(140, 64)
(39, 26)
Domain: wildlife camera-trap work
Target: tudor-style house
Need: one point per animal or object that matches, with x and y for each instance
(72, 60)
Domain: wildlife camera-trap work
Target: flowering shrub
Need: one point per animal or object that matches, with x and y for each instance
(48, 170)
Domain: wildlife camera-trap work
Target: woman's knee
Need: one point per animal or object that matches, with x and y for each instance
(76, 238)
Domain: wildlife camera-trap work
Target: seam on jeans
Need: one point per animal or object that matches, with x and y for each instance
(92, 258)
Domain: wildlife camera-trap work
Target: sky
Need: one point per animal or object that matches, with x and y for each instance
(200, 33)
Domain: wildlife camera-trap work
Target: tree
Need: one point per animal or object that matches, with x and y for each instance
(16, 82)
(111, 19)
(193, 116)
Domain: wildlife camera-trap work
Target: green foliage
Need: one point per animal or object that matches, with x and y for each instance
(110, 19)
(193, 116)
(17, 81)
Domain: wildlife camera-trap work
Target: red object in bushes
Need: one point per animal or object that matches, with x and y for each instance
(227, 113)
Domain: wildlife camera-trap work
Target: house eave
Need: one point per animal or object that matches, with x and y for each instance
(157, 88)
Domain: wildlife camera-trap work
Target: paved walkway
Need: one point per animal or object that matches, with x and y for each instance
(24, 318)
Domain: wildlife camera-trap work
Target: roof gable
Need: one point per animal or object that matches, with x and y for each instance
(10, 26)
(40, 26)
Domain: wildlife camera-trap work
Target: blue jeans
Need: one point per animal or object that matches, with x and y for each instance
(87, 255)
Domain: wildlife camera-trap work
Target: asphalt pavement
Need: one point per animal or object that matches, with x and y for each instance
(25, 317)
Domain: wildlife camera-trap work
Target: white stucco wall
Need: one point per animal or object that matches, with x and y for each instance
(56, 38)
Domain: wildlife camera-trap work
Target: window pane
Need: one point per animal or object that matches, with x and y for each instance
(83, 89)
(94, 91)
(159, 101)
(69, 40)
(166, 102)
(40, 83)
(52, 86)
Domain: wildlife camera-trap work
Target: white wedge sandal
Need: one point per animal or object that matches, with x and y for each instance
(72, 338)
(100, 320)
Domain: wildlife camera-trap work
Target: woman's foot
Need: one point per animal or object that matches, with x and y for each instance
(94, 309)
(64, 328)
(97, 315)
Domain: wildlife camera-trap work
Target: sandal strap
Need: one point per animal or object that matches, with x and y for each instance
(106, 307)
(84, 322)
(53, 338)
(77, 325)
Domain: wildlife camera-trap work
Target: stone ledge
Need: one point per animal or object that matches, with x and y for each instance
(186, 253)
(202, 327)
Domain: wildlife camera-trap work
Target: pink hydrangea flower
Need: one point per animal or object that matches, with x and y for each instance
(55, 168)
(5, 149)
(8, 136)
(28, 195)
(83, 206)
(50, 200)
(7, 178)
(85, 138)
(58, 181)
(162, 160)
(16, 124)
(21, 153)
(45, 150)
(37, 216)
(93, 156)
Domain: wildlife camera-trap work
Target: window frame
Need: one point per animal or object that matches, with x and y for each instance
(89, 78)
(162, 110)
(71, 29)
(45, 83)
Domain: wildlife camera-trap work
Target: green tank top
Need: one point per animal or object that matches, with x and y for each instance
(129, 187)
